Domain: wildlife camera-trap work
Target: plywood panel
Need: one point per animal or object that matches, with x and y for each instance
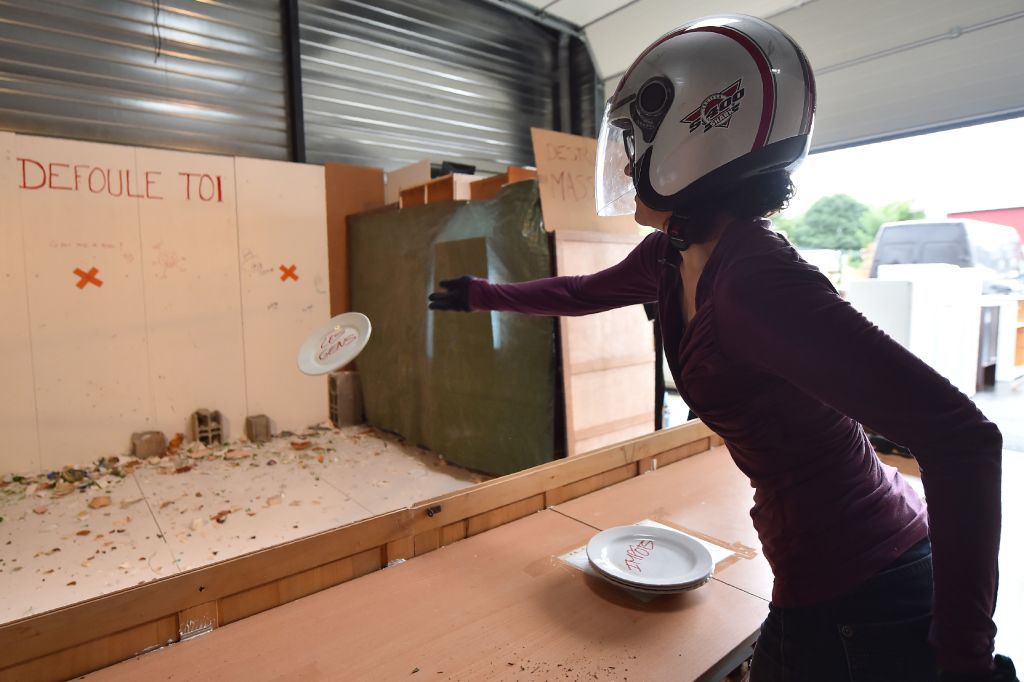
(350, 189)
(79, 202)
(487, 188)
(589, 485)
(282, 239)
(452, 187)
(190, 279)
(97, 654)
(616, 334)
(518, 174)
(408, 176)
(502, 515)
(413, 196)
(17, 402)
(584, 445)
(612, 400)
(608, 358)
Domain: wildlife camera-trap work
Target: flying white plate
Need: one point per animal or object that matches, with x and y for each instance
(335, 344)
(649, 557)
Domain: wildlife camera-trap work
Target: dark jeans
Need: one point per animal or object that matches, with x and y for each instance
(877, 632)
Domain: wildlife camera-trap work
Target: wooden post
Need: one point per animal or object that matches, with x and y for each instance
(350, 189)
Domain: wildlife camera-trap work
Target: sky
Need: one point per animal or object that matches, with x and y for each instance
(965, 169)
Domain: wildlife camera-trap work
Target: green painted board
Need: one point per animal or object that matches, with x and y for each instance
(480, 389)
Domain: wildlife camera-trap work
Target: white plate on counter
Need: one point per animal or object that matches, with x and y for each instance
(650, 558)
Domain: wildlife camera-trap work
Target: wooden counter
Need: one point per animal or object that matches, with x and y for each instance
(495, 606)
(704, 495)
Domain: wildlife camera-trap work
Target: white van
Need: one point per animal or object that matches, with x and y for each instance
(994, 249)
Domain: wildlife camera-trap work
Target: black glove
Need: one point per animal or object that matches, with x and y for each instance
(1003, 672)
(456, 296)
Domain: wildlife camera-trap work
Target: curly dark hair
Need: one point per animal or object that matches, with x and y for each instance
(758, 196)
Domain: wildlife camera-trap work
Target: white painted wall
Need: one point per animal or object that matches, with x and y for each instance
(171, 320)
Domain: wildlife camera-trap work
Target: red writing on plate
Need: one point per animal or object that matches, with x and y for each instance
(637, 553)
(117, 182)
(335, 341)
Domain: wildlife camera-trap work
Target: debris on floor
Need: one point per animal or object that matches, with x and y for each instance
(125, 520)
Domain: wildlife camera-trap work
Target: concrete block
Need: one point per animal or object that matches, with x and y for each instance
(207, 427)
(257, 428)
(346, 398)
(149, 444)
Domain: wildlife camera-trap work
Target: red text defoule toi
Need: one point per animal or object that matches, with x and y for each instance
(207, 187)
(115, 182)
(83, 177)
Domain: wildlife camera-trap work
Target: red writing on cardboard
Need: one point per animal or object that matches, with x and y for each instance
(117, 182)
(571, 186)
(572, 152)
(573, 181)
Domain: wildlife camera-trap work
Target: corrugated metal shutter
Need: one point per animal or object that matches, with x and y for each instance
(587, 91)
(179, 74)
(391, 82)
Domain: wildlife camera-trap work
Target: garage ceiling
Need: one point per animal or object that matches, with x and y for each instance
(884, 68)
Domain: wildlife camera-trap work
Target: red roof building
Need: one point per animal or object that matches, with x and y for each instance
(1014, 217)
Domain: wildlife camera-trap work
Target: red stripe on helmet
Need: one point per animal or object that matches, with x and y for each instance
(765, 70)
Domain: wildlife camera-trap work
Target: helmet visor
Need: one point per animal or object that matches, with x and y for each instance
(614, 193)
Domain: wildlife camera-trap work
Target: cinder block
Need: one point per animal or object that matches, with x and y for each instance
(149, 444)
(206, 427)
(346, 398)
(257, 428)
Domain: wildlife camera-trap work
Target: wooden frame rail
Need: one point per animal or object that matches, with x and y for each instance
(90, 635)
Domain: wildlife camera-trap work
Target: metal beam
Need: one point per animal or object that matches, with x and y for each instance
(539, 16)
(564, 85)
(293, 67)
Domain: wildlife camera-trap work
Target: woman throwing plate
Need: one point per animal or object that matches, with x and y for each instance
(704, 130)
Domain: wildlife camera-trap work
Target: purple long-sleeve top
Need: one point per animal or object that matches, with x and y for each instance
(786, 371)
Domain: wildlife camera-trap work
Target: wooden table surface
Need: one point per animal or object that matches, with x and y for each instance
(500, 605)
(704, 495)
(496, 606)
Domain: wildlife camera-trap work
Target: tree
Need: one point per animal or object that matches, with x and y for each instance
(833, 222)
(786, 226)
(897, 210)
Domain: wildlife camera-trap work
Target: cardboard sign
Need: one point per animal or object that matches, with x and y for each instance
(565, 171)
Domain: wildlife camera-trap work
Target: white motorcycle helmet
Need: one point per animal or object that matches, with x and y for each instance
(710, 104)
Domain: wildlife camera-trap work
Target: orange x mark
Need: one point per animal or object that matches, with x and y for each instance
(288, 272)
(87, 278)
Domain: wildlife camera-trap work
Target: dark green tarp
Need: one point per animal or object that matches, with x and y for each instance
(478, 388)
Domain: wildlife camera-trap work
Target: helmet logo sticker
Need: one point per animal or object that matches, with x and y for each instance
(717, 109)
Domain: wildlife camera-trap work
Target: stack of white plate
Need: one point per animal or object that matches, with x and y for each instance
(650, 559)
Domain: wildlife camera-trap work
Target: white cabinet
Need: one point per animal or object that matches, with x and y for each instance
(932, 310)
